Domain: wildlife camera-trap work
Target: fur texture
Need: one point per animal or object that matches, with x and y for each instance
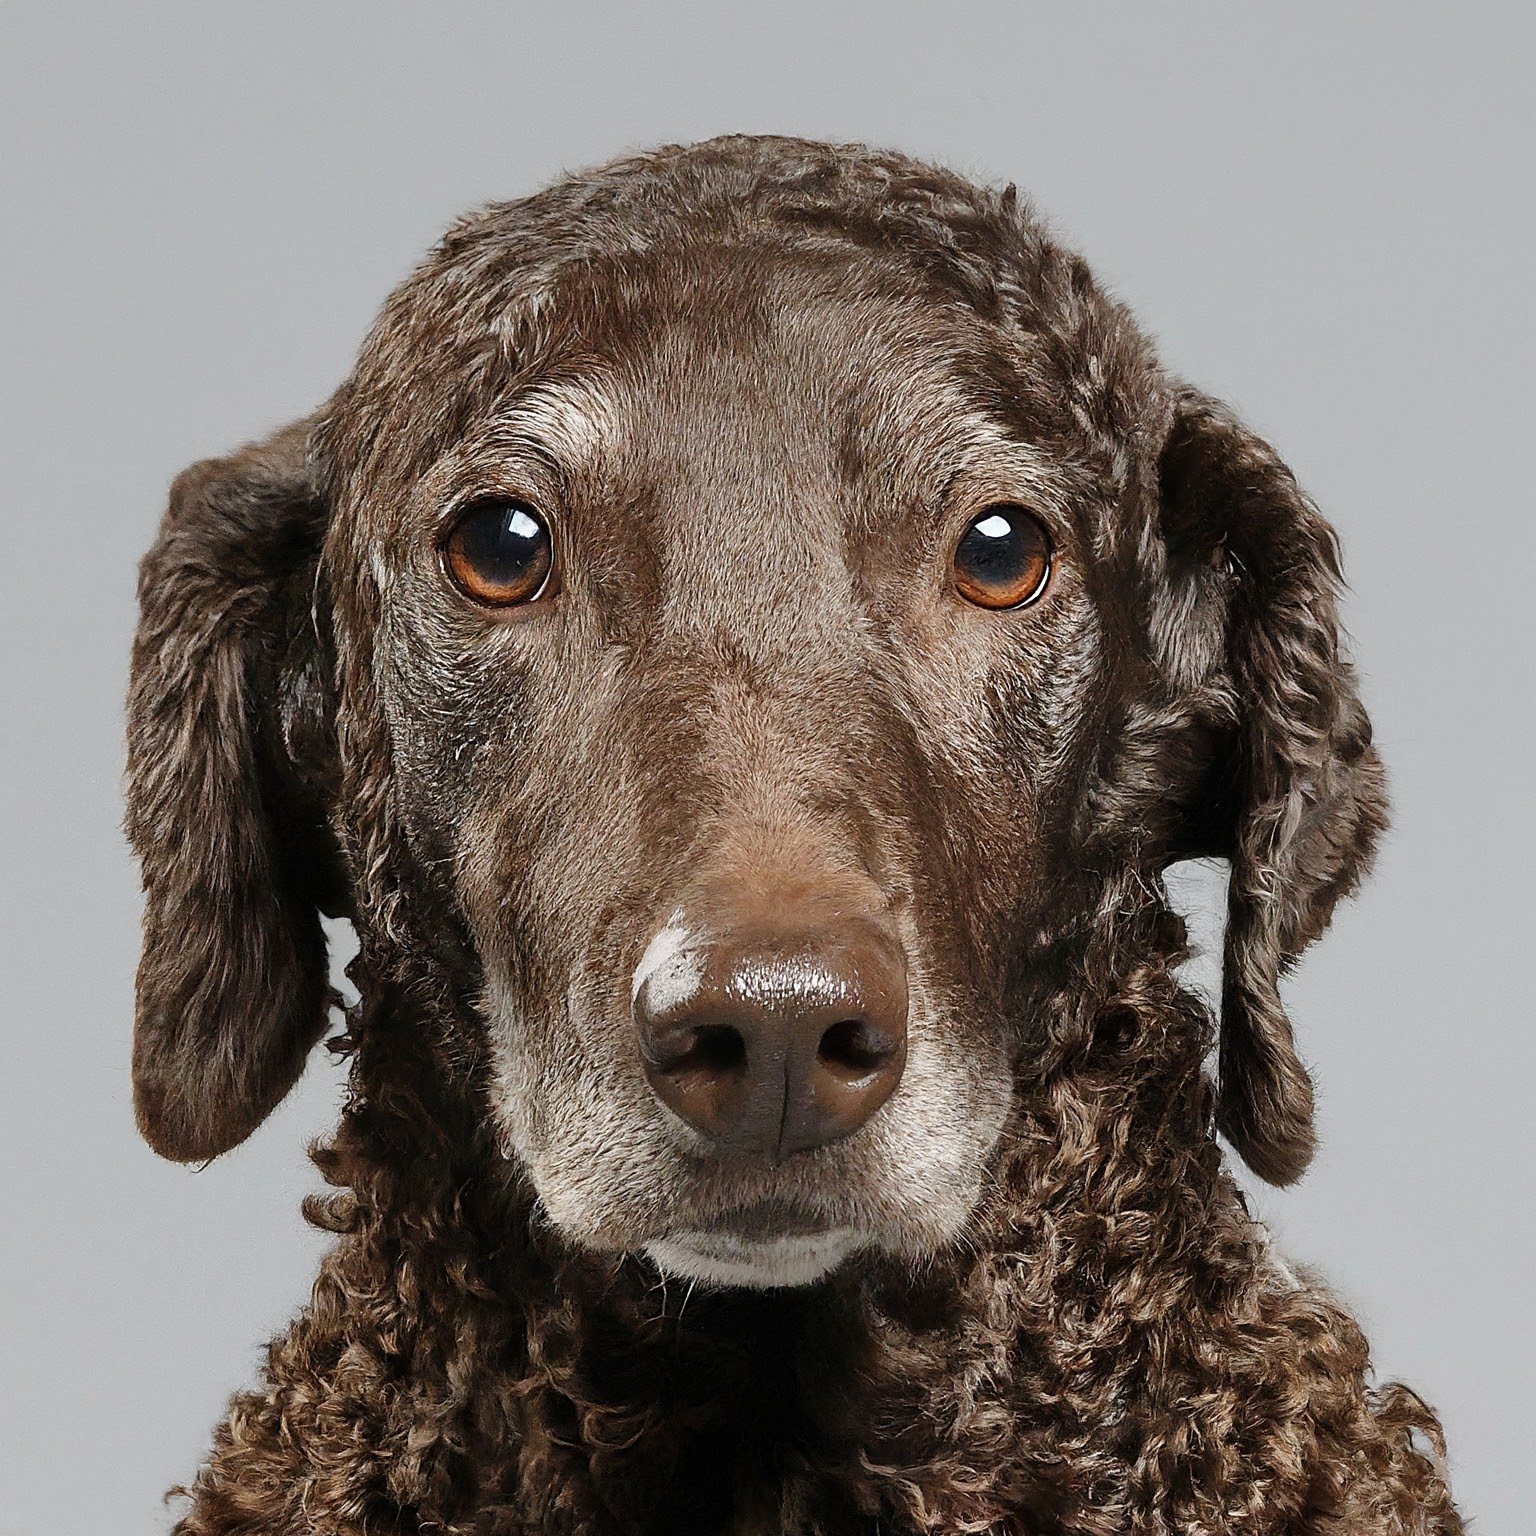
(758, 387)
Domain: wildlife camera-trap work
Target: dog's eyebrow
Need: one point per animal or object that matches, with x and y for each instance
(952, 437)
(572, 417)
(944, 407)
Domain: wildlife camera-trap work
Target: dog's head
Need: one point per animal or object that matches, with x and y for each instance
(745, 604)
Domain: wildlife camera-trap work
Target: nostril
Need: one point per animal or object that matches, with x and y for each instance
(717, 1048)
(713, 1049)
(853, 1048)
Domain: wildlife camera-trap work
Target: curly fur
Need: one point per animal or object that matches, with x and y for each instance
(1109, 1345)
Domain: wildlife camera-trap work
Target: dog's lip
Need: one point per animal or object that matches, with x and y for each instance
(763, 1220)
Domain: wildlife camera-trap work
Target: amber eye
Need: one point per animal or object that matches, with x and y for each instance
(499, 552)
(1003, 559)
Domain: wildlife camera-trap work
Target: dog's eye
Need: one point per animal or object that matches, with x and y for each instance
(499, 552)
(1003, 559)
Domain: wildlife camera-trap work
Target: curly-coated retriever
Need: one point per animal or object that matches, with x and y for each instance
(742, 647)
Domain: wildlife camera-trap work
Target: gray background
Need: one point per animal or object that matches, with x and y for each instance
(1325, 213)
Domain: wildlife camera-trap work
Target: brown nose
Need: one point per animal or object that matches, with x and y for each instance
(776, 1037)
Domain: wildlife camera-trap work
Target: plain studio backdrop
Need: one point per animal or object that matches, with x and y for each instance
(1324, 214)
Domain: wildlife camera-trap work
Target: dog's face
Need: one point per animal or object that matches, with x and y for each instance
(687, 690)
(756, 641)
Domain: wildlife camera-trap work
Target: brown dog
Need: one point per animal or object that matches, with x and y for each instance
(742, 648)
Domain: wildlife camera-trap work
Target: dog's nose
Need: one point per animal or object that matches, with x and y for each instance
(774, 1037)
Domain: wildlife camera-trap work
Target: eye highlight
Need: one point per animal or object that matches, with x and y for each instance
(499, 552)
(1003, 559)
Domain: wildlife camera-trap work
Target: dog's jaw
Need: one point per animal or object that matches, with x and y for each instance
(722, 1260)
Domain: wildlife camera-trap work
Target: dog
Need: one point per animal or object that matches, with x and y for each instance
(742, 648)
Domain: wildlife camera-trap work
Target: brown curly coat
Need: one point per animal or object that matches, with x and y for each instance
(1106, 1345)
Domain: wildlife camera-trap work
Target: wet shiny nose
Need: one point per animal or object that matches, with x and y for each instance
(773, 1038)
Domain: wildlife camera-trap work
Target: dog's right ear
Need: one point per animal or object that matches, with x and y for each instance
(230, 769)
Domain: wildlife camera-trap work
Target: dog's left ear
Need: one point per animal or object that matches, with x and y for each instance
(1292, 792)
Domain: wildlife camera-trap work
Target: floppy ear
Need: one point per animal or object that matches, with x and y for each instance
(1293, 793)
(230, 760)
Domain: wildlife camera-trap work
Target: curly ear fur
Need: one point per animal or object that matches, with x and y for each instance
(1294, 794)
(229, 759)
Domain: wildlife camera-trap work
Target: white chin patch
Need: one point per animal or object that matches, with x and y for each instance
(715, 1259)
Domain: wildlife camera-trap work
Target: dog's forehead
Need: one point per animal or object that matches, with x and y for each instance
(744, 308)
(729, 403)
(788, 358)
(771, 371)
(742, 378)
